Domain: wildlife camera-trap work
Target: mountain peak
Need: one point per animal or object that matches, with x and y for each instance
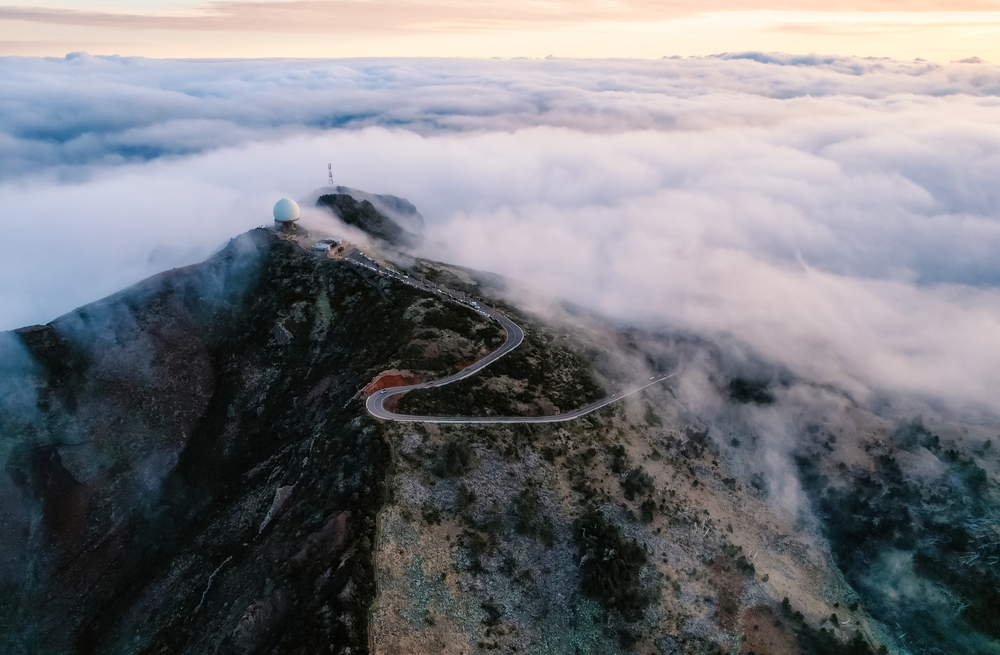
(387, 218)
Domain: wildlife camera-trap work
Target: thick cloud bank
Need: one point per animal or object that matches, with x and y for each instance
(840, 216)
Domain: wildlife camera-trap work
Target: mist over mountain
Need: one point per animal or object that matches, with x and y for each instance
(188, 466)
(399, 210)
(836, 213)
(807, 242)
(376, 220)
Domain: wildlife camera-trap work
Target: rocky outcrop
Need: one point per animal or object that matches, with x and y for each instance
(365, 216)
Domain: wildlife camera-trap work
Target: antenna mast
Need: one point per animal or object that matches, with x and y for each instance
(329, 174)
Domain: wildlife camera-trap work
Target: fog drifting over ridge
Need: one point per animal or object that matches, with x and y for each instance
(838, 215)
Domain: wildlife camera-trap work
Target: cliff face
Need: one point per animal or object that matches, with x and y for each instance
(186, 464)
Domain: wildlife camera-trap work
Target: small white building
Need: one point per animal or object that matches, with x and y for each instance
(325, 245)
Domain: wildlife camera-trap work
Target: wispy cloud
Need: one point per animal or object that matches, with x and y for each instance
(56, 114)
(895, 25)
(388, 15)
(837, 215)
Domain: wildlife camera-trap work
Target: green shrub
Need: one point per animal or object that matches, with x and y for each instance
(619, 459)
(745, 566)
(466, 496)
(454, 459)
(529, 518)
(637, 482)
(749, 391)
(611, 565)
(431, 514)
(652, 420)
(647, 510)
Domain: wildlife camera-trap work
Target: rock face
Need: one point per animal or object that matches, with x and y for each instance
(365, 216)
(187, 466)
(400, 210)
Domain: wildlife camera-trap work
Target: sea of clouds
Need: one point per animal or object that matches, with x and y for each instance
(838, 216)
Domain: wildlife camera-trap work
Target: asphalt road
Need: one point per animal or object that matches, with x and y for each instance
(376, 402)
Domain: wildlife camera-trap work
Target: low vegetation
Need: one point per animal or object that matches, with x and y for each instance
(455, 458)
(935, 536)
(824, 641)
(530, 518)
(745, 391)
(611, 565)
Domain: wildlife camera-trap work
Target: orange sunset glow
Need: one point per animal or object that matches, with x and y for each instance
(901, 29)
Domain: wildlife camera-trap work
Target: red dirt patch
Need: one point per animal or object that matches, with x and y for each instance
(765, 634)
(391, 378)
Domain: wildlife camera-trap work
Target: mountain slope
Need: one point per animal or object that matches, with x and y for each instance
(188, 467)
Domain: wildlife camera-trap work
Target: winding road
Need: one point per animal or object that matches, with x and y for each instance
(515, 335)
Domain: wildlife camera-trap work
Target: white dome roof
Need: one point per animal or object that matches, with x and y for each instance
(286, 211)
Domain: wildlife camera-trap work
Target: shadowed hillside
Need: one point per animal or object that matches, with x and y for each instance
(188, 467)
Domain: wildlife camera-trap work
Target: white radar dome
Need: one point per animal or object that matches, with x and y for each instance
(286, 211)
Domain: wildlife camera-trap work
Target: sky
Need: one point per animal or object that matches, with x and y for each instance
(935, 30)
(839, 216)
